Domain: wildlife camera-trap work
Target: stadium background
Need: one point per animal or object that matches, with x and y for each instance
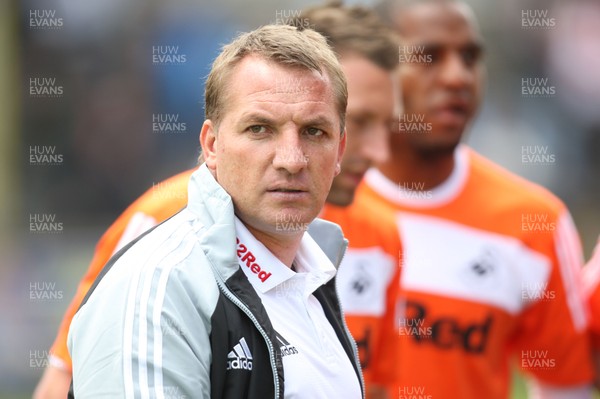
(86, 81)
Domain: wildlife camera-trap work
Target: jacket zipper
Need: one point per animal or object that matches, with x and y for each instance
(247, 311)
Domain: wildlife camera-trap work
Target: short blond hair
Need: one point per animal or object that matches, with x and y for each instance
(284, 45)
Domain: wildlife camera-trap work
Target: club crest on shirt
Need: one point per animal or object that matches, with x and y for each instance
(482, 268)
(361, 281)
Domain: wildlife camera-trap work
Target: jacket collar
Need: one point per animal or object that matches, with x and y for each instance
(330, 238)
(213, 210)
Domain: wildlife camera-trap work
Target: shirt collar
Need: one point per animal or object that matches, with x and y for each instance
(413, 197)
(265, 271)
(311, 260)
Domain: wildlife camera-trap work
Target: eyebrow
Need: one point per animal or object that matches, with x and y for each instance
(477, 46)
(256, 118)
(474, 45)
(319, 121)
(314, 121)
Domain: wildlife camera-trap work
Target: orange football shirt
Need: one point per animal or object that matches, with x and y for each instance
(592, 289)
(490, 278)
(367, 283)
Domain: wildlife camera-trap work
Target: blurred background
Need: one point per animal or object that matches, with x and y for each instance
(102, 99)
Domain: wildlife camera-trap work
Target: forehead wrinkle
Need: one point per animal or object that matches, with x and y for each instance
(283, 97)
(290, 102)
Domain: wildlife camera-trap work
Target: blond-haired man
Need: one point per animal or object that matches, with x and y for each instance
(194, 307)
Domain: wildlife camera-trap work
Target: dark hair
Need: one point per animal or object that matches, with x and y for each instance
(356, 30)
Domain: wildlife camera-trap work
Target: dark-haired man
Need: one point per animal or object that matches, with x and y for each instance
(491, 261)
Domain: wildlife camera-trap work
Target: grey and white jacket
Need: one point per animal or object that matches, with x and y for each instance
(162, 317)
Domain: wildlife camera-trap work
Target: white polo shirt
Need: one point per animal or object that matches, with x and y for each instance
(314, 362)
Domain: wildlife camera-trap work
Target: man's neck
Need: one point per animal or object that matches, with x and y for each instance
(283, 247)
(426, 170)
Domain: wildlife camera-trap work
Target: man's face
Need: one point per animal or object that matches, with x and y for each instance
(369, 116)
(278, 145)
(441, 74)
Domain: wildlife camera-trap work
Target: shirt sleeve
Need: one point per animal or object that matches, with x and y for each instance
(592, 290)
(551, 343)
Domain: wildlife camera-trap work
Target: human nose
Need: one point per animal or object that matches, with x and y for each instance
(289, 154)
(375, 146)
(455, 73)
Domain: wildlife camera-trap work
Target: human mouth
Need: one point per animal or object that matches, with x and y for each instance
(288, 192)
(354, 177)
(287, 189)
(453, 113)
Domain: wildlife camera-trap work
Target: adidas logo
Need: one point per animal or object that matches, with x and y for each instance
(240, 357)
(285, 347)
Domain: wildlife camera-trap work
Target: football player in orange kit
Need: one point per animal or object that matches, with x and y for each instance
(368, 276)
(592, 288)
(491, 261)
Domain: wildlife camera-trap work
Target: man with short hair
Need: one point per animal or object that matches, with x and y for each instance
(200, 305)
(368, 276)
(483, 285)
